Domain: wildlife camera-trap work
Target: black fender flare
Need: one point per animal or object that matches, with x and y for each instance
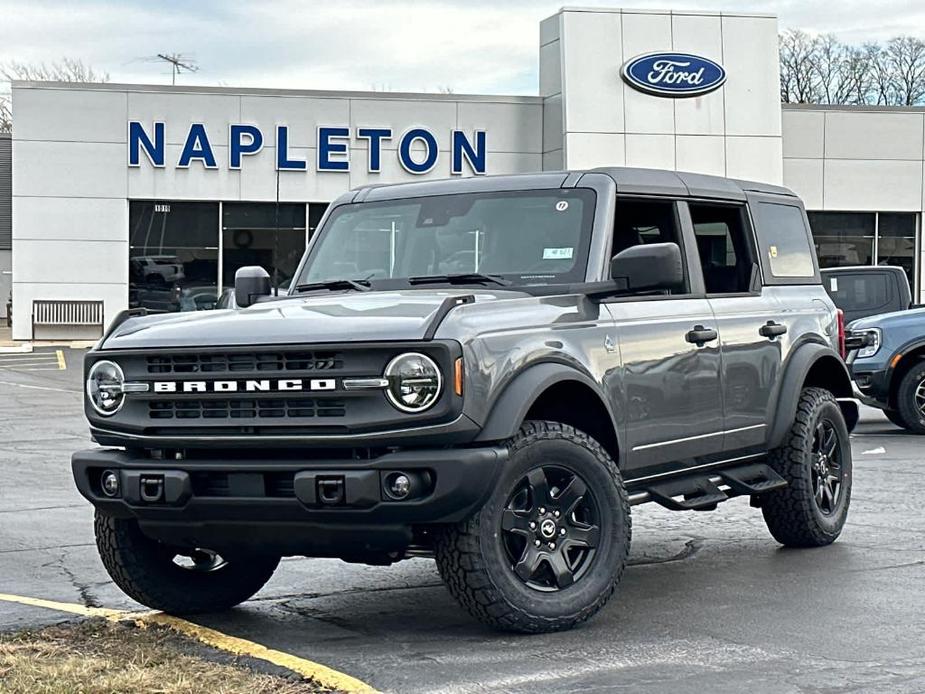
(796, 370)
(511, 407)
(910, 346)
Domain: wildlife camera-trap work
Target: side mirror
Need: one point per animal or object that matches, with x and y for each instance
(648, 267)
(250, 283)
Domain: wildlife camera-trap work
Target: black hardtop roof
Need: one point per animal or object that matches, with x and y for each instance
(629, 180)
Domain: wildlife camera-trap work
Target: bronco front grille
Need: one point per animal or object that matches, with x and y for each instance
(237, 362)
(246, 409)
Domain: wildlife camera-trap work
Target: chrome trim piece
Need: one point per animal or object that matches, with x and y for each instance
(698, 437)
(136, 387)
(365, 383)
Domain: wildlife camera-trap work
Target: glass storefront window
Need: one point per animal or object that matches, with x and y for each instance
(173, 255)
(866, 238)
(252, 234)
(896, 241)
(843, 238)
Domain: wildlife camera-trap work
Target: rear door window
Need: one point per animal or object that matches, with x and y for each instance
(784, 246)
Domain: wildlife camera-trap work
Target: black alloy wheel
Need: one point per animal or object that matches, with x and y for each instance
(546, 550)
(550, 528)
(826, 467)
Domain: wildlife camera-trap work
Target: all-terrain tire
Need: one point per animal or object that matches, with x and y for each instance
(896, 418)
(471, 555)
(793, 514)
(145, 571)
(910, 399)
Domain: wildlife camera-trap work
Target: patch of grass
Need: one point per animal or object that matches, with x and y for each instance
(97, 656)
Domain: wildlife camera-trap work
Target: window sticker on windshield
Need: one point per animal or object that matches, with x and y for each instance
(557, 253)
(773, 251)
(833, 284)
(562, 206)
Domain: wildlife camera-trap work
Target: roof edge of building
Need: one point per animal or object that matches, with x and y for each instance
(268, 91)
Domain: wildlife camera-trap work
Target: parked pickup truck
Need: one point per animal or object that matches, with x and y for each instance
(486, 371)
(888, 365)
(867, 290)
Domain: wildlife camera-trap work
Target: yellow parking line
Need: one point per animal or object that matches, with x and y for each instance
(62, 365)
(322, 674)
(73, 608)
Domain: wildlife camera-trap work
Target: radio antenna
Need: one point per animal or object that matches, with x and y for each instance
(178, 63)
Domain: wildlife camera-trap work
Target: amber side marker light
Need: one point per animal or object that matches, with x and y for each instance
(895, 361)
(458, 377)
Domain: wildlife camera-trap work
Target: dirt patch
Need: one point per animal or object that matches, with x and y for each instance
(100, 656)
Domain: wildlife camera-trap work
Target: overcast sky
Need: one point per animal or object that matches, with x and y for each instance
(470, 46)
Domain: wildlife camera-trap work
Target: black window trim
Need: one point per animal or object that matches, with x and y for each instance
(750, 239)
(693, 280)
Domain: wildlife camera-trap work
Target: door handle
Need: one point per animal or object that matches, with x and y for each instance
(700, 335)
(771, 330)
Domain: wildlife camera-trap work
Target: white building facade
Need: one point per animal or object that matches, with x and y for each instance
(135, 195)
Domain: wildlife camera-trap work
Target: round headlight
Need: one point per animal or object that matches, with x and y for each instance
(104, 387)
(414, 382)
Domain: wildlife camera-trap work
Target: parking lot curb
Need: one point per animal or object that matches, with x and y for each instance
(322, 674)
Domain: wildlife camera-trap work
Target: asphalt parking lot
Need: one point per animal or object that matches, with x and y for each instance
(710, 603)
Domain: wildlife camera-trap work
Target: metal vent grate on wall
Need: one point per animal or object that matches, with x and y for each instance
(66, 312)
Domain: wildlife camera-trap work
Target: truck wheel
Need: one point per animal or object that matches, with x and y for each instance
(815, 459)
(910, 399)
(171, 580)
(896, 418)
(547, 549)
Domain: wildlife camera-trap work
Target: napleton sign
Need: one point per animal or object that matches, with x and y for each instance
(417, 148)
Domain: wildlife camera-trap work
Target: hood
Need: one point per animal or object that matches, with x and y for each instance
(909, 317)
(334, 317)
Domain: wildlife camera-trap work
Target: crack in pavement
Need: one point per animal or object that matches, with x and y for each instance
(691, 548)
(83, 589)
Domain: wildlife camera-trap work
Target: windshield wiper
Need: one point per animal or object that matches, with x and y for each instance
(357, 285)
(462, 278)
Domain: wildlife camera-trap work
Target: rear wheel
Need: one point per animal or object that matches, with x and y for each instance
(548, 548)
(815, 459)
(910, 399)
(181, 581)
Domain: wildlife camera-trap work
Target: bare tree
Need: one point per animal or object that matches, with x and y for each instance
(6, 114)
(906, 59)
(64, 70)
(798, 79)
(823, 70)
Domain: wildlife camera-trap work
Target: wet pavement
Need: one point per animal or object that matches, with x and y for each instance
(710, 603)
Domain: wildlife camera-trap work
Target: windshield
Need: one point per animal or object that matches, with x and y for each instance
(526, 237)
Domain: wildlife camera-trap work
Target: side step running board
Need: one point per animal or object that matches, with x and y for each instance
(703, 491)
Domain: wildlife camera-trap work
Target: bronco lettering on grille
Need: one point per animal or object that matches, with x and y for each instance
(246, 386)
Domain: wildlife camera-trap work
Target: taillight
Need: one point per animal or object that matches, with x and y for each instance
(841, 333)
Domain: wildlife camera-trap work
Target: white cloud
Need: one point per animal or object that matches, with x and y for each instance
(408, 45)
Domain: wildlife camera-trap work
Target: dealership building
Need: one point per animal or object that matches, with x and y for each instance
(141, 195)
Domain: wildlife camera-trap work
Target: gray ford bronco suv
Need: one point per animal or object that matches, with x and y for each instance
(487, 371)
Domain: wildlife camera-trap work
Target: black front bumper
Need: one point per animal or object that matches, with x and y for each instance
(290, 506)
(873, 387)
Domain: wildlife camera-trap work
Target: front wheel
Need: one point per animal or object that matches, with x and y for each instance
(910, 399)
(548, 548)
(180, 581)
(815, 459)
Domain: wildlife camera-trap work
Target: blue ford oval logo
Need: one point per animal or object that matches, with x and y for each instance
(673, 74)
